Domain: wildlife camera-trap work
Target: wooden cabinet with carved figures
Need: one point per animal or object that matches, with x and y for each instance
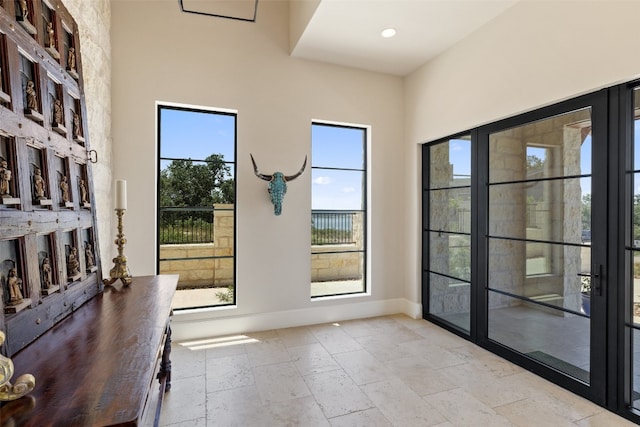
(49, 260)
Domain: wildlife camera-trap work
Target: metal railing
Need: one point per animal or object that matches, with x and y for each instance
(186, 225)
(195, 225)
(332, 227)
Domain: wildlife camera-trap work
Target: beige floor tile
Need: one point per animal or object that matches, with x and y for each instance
(228, 372)
(464, 410)
(237, 407)
(605, 419)
(367, 418)
(295, 337)
(362, 367)
(401, 406)
(440, 337)
(530, 412)
(335, 339)
(336, 393)
(409, 322)
(200, 422)
(419, 376)
(359, 328)
(185, 402)
(382, 371)
(438, 357)
(267, 353)
(186, 363)
(312, 359)
(232, 348)
(303, 411)
(382, 348)
(465, 375)
(279, 382)
(501, 391)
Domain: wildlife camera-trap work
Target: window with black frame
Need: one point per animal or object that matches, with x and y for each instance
(196, 204)
(339, 209)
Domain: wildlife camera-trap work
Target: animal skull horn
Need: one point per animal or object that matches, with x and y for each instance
(277, 184)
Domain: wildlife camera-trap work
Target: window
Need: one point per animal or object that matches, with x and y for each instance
(338, 211)
(196, 203)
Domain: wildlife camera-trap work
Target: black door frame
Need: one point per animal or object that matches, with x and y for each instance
(612, 121)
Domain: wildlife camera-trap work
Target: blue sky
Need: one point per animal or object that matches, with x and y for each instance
(196, 135)
(337, 147)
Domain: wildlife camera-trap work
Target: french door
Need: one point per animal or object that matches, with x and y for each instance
(533, 286)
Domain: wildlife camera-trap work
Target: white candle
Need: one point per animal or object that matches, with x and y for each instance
(121, 194)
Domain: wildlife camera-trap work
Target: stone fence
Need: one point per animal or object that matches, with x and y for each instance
(202, 265)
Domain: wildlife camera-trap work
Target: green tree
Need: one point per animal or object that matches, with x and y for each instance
(185, 183)
(188, 184)
(534, 163)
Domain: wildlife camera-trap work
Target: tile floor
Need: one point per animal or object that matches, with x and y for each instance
(383, 371)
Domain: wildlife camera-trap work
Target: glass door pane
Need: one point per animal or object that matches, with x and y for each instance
(448, 231)
(633, 254)
(539, 241)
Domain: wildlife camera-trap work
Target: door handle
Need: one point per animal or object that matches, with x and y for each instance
(596, 279)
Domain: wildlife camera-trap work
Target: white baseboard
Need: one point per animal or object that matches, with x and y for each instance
(209, 323)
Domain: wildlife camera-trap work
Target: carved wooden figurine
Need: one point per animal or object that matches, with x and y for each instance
(14, 283)
(64, 189)
(38, 184)
(88, 254)
(76, 126)
(73, 266)
(32, 99)
(24, 9)
(83, 192)
(58, 114)
(71, 59)
(46, 273)
(51, 36)
(5, 177)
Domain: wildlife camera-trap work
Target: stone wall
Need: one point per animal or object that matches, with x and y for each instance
(333, 266)
(94, 23)
(200, 265)
(196, 272)
(449, 253)
(535, 269)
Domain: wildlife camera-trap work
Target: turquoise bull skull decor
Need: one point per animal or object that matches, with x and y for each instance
(277, 184)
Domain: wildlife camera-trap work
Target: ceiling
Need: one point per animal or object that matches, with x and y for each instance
(347, 32)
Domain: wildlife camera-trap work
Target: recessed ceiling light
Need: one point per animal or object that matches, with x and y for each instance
(388, 32)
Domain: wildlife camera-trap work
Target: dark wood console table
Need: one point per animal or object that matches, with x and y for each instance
(105, 364)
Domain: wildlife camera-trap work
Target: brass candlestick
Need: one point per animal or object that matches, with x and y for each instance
(119, 270)
(24, 383)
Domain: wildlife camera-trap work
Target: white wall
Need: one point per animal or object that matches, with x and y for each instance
(161, 54)
(535, 54)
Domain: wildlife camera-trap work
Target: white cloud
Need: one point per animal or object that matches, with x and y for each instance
(322, 180)
(348, 190)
